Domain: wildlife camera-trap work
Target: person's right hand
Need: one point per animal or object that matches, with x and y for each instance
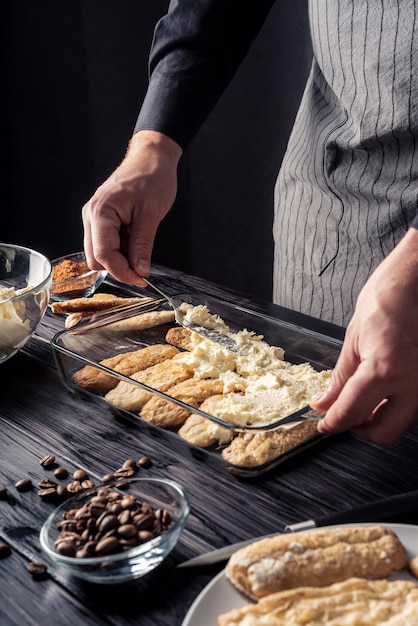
(121, 219)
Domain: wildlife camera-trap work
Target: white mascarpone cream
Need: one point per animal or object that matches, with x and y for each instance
(269, 387)
(14, 329)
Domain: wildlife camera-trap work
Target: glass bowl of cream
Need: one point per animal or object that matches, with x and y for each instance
(25, 282)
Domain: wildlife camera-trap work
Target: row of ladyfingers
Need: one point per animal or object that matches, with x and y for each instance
(329, 576)
(78, 310)
(158, 367)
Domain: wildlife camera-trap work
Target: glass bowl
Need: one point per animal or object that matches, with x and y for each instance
(25, 281)
(114, 558)
(71, 277)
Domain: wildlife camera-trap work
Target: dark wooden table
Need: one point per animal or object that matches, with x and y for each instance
(39, 416)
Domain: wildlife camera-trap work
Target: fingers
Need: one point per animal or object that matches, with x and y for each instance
(376, 406)
(387, 424)
(349, 402)
(104, 242)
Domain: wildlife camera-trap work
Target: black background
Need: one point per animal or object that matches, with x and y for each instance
(74, 74)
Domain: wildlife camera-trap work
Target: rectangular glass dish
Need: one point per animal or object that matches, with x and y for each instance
(250, 451)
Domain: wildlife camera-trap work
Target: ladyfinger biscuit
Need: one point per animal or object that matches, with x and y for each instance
(149, 319)
(160, 376)
(97, 302)
(95, 380)
(315, 558)
(254, 448)
(193, 392)
(179, 337)
(352, 602)
(202, 431)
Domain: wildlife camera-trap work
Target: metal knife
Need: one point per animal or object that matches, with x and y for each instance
(376, 511)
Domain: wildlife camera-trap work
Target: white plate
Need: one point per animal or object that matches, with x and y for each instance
(219, 596)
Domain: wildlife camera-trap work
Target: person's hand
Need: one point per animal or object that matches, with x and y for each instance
(374, 386)
(121, 219)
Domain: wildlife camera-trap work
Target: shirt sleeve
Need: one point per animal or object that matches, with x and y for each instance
(415, 222)
(196, 50)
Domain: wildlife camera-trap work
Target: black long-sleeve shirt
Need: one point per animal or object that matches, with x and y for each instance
(196, 50)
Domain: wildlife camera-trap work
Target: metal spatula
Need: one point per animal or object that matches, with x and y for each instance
(205, 331)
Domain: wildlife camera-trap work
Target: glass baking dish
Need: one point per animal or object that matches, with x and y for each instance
(91, 343)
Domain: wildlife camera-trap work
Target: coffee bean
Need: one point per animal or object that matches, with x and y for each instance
(62, 491)
(145, 462)
(37, 569)
(107, 478)
(45, 483)
(107, 545)
(47, 461)
(144, 521)
(74, 487)
(48, 493)
(124, 472)
(163, 516)
(145, 535)
(5, 550)
(66, 548)
(129, 463)
(3, 493)
(127, 531)
(60, 473)
(25, 484)
(80, 475)
(108, 522)
(87, 484)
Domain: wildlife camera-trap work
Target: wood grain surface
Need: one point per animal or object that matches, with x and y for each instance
(39, 416)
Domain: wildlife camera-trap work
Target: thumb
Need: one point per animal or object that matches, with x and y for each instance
(345, 367)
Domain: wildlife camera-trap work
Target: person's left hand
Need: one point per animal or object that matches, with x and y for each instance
(374, 386)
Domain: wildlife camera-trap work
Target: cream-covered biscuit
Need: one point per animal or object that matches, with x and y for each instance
(202, 431)
(192, 392)
(160, 376)
(253, 448)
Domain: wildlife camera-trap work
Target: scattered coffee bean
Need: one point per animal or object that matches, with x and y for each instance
(5, 550)
(47, 461)
(47, 494)
(45, 483)
(25, 484)
(108, 478)
(37, 569)
(87, 484)
(60, 473)
(62, 491)
(80, 475)
(74, 487)
(107, 523)
(145, 462)
(124, 472)
(3, 493)
(129, 463)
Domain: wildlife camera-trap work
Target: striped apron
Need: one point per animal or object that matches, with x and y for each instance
(348, 186)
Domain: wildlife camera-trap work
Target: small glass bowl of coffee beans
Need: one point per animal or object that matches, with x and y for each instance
(117, 532)
(72, 278)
